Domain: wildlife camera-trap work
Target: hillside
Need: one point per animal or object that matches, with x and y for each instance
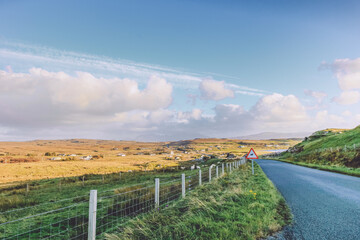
(328, 147)
(274, 135)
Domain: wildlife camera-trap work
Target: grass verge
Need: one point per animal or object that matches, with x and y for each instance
(238, 206)
(330, 168)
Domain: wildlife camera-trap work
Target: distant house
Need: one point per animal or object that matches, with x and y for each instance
(121, 155)
(61, 154)
(72, 155)
(86, 158)
(56, 158)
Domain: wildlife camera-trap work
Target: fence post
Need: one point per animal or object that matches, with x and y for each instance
(222, 169)
(183, 184)
(199, 176)
(210, 174)
(92, 215)
(157, 192)
(252, 166)
(230, 167)
(217, 171)
(354, 146)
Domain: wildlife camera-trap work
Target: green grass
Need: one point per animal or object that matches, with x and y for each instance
(325, 150)
(338, 169)
(328, 149)
(51, 190)
(228, 208)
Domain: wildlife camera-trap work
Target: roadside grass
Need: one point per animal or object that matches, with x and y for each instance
(328, 150)
(334, 150)
(238, 206)
(331, 168)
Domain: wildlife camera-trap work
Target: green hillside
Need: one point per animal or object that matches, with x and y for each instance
(336, 147)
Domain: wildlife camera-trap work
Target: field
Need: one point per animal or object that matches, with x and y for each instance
(27, 161)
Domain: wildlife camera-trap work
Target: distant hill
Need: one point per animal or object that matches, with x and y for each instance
(329, 147)
(274, 135)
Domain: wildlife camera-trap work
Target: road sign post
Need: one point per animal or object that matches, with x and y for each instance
(252, 155)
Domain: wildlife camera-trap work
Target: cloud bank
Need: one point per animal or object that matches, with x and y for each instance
(214, 90)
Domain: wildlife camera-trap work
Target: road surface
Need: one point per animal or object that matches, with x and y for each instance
(325, 205)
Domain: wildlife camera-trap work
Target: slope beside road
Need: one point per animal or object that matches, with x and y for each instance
(325, 205)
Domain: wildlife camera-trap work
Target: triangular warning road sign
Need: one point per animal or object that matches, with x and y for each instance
(252, 154)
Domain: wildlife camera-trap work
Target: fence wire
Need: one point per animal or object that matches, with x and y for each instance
(69, 218)
(68, 222)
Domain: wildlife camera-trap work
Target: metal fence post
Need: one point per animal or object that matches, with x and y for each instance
(252, 166)
(210, 174)
(157, 192)
(230, 167)
(92, 215)
(217, 171)
(222, 169)
(183, 184)
(199, 176)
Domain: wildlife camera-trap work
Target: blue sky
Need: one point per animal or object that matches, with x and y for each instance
(233, 67)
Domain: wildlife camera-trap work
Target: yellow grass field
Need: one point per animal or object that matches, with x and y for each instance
(24, 161)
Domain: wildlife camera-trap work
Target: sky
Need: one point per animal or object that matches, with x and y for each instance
(171, 70)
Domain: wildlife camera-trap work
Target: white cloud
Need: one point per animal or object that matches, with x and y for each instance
(348, 98)
(346, 113)
(279, 108)
(214, 90)
(324, 119)
(318, 95)
(347, 71)
(40, 96)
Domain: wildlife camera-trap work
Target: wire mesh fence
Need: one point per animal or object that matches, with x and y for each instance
(67, 222)
(69, 218)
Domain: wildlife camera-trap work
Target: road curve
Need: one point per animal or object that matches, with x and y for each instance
(325, 205)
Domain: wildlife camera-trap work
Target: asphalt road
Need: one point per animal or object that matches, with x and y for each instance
(325, 205)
